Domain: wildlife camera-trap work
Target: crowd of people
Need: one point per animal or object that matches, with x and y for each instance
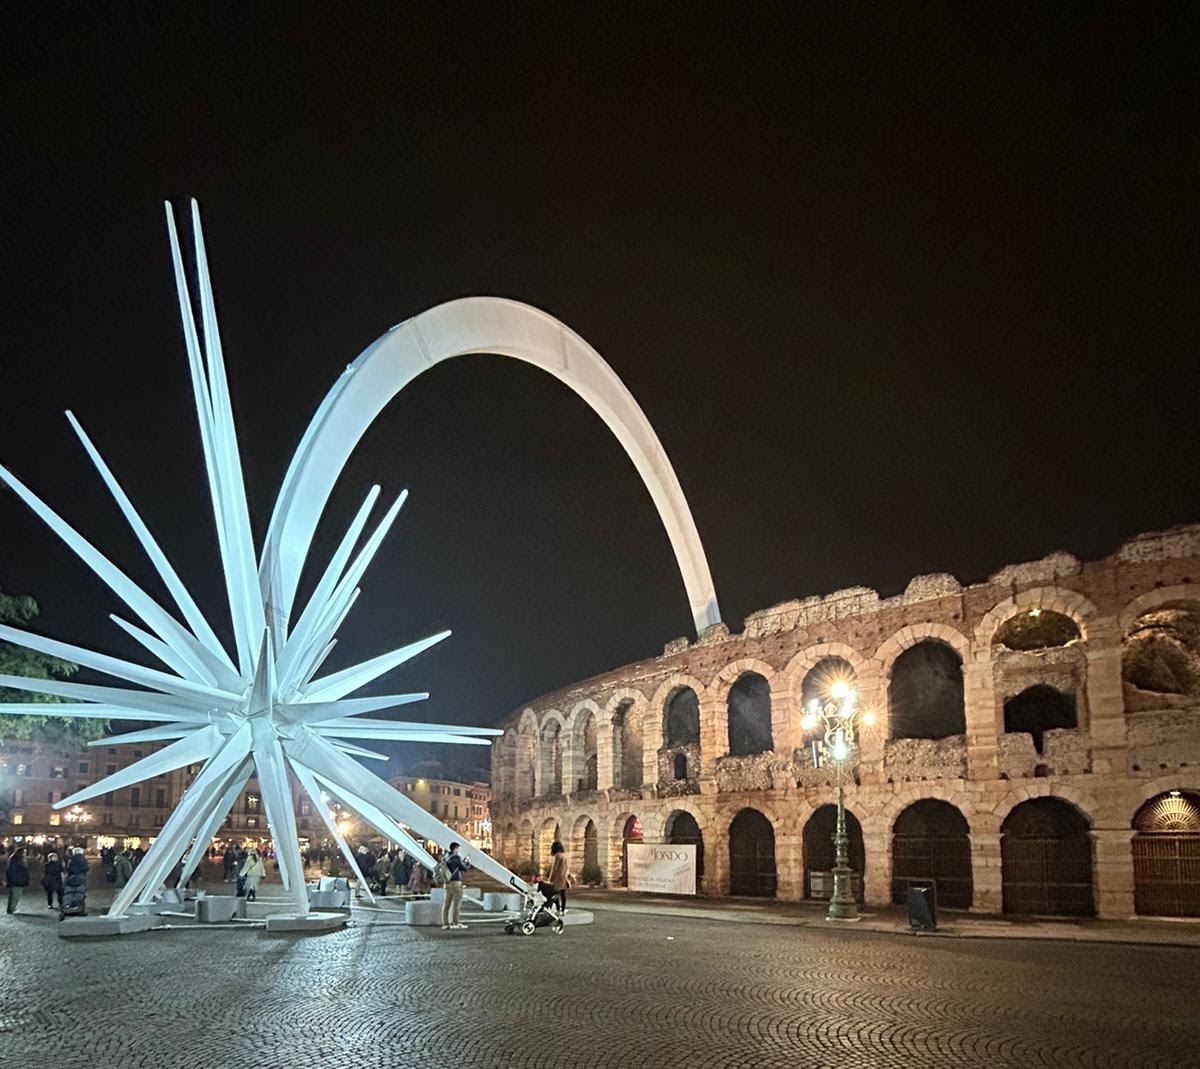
(65, 885)
(65, 873)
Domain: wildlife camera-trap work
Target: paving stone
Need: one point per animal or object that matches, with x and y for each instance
(653, 992)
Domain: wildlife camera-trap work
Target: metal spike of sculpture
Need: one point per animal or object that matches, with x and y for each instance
(264, 711)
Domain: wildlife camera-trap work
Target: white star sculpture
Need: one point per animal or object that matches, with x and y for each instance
(262, 713)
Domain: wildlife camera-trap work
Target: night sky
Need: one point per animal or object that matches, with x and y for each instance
(898, 295)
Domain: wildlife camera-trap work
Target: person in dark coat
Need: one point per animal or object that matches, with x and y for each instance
(402, 871)
(17, 878)
(74, 897)
(52, 881)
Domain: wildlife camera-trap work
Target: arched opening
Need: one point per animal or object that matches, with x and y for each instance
(1046, 860)
(1161, 651)
(1166, 856)
(749, 714)
(1039, 709)
(631, 832)
(682, 830)
(932, 841)
(590, 872)
(552, 758)
(925, 694)
(1037, 629)
(627, 747)
(752, 855)
(820, 678)
(681, 715)
(820, 854)
(589, 781)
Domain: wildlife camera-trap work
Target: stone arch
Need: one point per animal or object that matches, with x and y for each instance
(551, 741)
(1056, 599)
(1160, 652)
(584, 848)
(792, 675)
(819, 852)
(931, 842)
(1034, 789)
(926, 694)
(748, 715)
(682, 828)
(1046, 864)
(668, 750)
(1039, 709)
(681, 718)
(468, 325)
(1166, 855)
(1152, 599)
(626, 712)
(583, 733)
(625, 828)
(907, 637)
(752, 864)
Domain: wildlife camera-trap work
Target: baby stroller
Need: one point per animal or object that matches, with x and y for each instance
(540, 911)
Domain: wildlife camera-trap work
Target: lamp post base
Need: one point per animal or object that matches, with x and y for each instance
(842, 904)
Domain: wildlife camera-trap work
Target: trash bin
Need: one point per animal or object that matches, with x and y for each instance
(922, 905)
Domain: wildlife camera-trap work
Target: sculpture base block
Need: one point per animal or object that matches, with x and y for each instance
(92, 927)
(313, 922)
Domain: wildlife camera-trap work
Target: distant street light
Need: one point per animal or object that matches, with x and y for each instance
(837, 716)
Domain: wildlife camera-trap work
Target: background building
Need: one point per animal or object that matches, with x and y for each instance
(463, 804)
(1037, 748)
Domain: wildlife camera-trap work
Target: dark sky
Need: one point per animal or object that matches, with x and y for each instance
(899, 294)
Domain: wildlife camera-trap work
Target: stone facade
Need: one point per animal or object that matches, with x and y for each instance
(1074, 681)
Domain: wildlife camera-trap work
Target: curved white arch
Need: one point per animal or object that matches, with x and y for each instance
(456, 328)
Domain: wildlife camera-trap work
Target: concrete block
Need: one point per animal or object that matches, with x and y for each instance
(423, 913)
(218, 909)
(87, 927)
(312, 922)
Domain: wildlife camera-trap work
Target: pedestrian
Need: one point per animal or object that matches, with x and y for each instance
(402, 871)
(74, 897)
(418, 880)
(17, 878)
(122, 868)
(52, 881)
(383, 873)
(452, 902)
(560, 877)
(228, 863)
(252, 872)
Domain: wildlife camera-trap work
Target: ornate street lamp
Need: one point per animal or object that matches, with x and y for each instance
(838, 715)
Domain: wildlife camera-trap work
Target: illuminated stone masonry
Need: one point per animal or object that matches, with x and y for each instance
(1032, 732)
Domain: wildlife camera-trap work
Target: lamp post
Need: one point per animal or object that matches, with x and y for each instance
(837, 715)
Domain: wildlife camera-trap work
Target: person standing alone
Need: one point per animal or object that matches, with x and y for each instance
(452, 903)
(560, 877)
(252, 872)
(17, 878)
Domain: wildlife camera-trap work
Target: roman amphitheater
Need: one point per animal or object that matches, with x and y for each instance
(1036, 748)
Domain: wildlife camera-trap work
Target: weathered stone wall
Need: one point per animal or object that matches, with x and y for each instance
(1127, 745)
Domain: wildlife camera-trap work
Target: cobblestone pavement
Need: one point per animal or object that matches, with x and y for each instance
(629, 990)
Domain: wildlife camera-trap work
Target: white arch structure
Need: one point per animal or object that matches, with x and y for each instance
(457, 328)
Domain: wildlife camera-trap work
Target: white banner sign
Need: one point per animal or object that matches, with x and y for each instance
(662, 868)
